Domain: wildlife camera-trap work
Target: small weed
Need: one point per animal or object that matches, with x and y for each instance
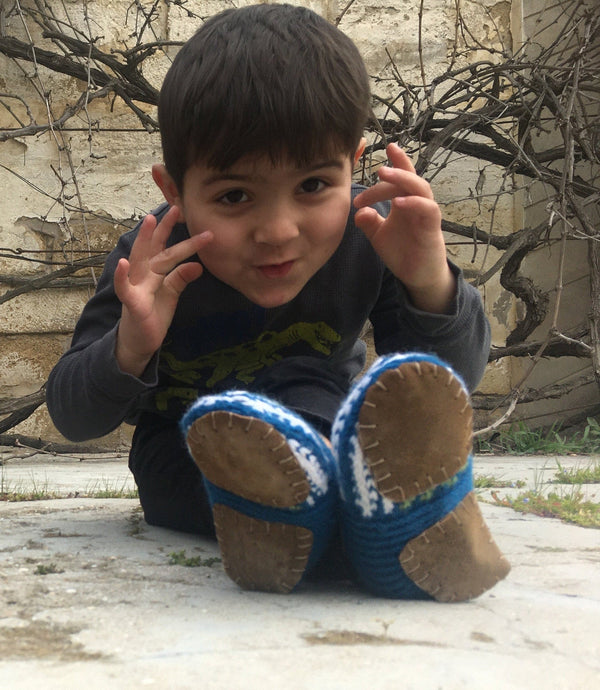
(578, 475)
(569, 507)
(50, 569)
(108, 490)
(179, 558)
(491, 482)
(519, 439)
(13, 493)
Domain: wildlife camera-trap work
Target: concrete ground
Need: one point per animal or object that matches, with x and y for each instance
(90, 598)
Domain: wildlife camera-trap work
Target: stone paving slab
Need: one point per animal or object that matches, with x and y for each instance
(88, 598)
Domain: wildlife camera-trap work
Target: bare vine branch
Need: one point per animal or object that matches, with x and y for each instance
(525, 121)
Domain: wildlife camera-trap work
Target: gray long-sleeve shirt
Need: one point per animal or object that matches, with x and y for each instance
(304, 353)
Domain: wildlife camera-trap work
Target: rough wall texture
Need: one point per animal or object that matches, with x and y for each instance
(105, 169)
(545, 265)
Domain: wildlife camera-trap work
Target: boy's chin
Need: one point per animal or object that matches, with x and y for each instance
(271, 301)
(273, 297)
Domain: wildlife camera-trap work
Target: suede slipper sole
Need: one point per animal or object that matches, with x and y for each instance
(412, 523)
(249, 458)
(272, 508)
(456, 559)
(279, 552)
(415, 429)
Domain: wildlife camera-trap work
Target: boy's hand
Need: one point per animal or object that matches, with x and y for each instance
(409, 240)
(149, 285)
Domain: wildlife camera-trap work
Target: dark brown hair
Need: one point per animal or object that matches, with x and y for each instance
(276, 80)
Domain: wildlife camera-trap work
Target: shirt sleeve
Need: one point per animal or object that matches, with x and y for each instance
(460, 337)
(87, 394)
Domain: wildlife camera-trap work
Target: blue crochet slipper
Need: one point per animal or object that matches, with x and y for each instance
(410, 521)
(271, 483)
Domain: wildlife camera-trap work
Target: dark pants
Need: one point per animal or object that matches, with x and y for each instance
(170, 485)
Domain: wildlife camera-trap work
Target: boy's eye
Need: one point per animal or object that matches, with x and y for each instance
(313, 184)
(235, 196)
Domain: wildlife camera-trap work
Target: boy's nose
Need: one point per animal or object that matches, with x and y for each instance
(276, 228)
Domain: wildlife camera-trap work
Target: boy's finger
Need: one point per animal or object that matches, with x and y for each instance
(164, 262)
(407, 183)
(164, 229)
(151, 240)
(424, 215)
(142, 246)
(121, 280)
(182, 276)
(394, 182)
(369, 221)
(372, 195)
(399, 159)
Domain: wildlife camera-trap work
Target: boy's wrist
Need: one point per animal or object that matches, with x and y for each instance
(130, 361)
(434, 298)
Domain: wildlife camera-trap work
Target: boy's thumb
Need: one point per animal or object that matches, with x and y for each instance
(368, 220)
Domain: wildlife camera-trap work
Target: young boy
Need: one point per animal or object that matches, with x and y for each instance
(247, 292)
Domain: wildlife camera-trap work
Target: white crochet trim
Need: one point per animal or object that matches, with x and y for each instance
(317, 477)
(343, 413)
(366, 496)
(364, 488)
(258, 407)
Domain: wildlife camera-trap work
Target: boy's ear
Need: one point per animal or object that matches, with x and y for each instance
(168, 187)
(360, 150)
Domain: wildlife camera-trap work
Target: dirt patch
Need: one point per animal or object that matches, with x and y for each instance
(21, 639)
(354, 637)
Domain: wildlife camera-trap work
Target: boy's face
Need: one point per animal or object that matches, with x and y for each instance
(273, 227)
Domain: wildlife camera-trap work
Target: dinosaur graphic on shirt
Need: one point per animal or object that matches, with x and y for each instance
(244, 360)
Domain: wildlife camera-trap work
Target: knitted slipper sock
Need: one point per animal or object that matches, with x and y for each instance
(270, 480)
(410, 521)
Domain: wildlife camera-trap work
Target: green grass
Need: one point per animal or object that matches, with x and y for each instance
(566, 503)
(179, 558)
(486, 481)
(11, 492)
(50, 569)
(519, 439)
(15, 492)
(106, 489)
(578, 475)
(567, 506)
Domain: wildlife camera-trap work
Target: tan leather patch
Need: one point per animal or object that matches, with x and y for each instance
(455, 559)
(260, 555)
(415, 429)
(248, 457)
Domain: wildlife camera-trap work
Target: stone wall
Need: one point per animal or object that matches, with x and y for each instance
(104, 168)
(561, 270)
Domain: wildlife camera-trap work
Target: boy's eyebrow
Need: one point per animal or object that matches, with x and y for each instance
(222, 176)
(333, 163)
(226, 175)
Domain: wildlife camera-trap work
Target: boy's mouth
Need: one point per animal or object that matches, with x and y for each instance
(276, 270)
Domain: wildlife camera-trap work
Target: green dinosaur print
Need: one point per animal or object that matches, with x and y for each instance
(244, 360)
(182, 395)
